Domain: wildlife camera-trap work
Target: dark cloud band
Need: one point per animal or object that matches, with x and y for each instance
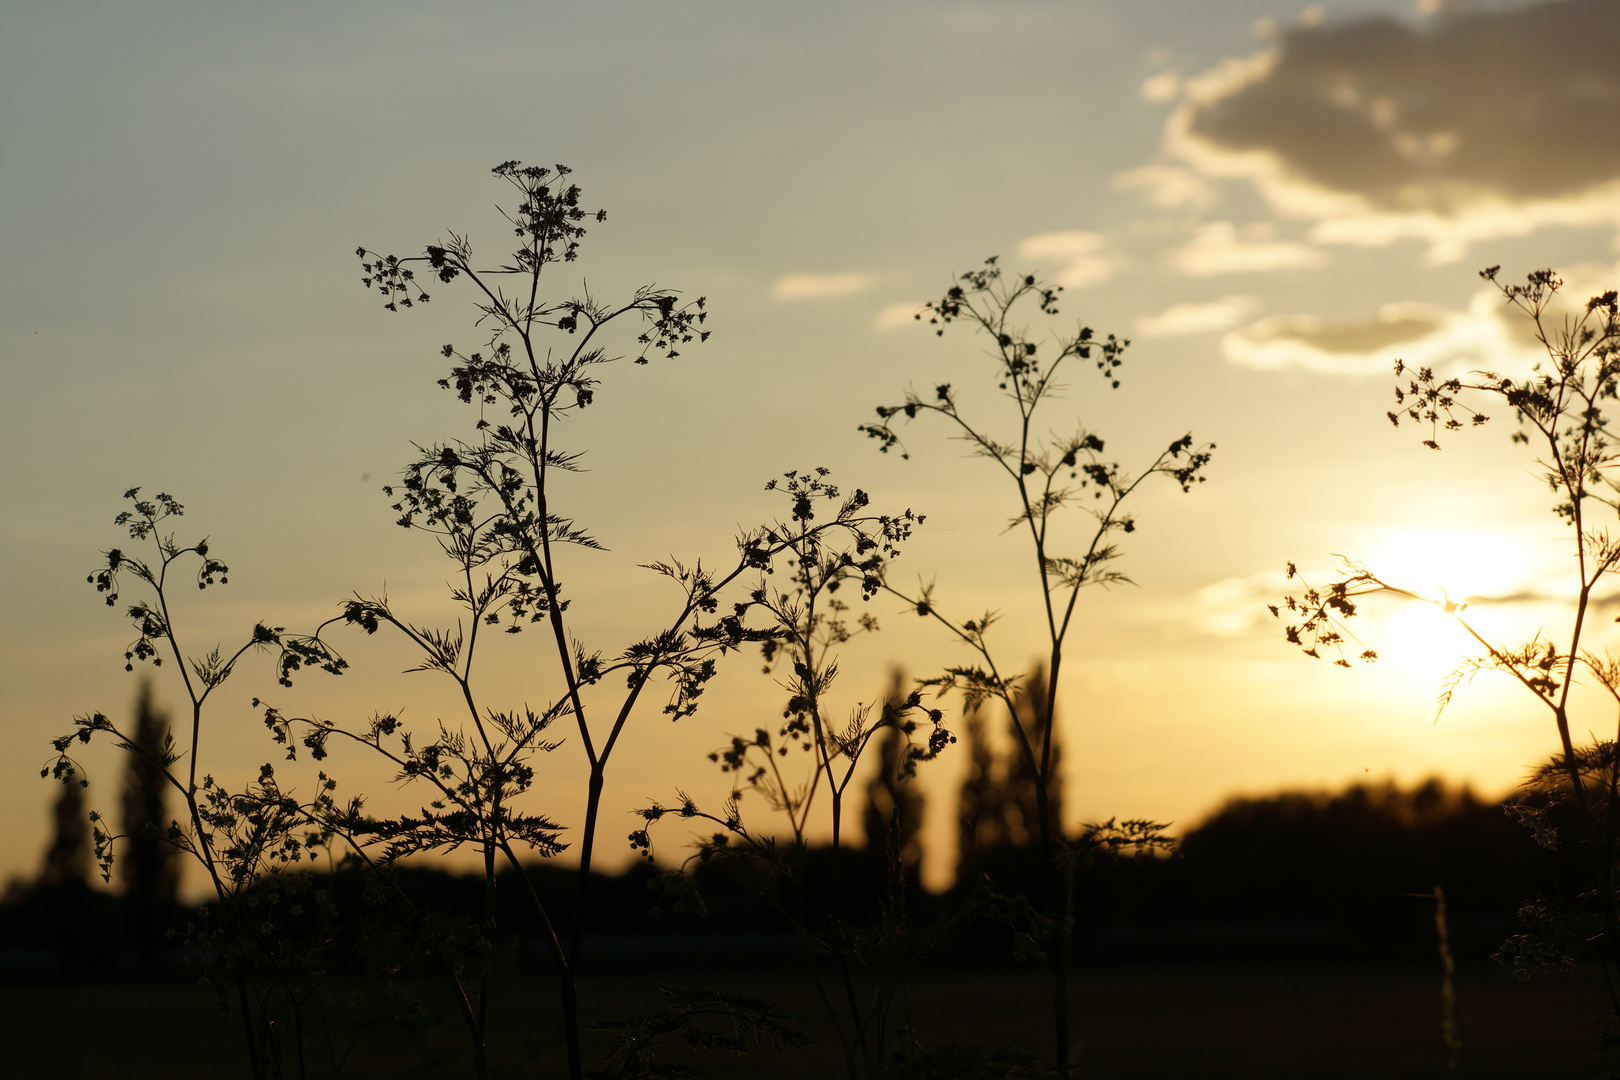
(1516, 105)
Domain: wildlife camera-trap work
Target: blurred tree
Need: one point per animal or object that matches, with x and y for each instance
(149, 871)
(998, 804)
(67, 860)
(1355, 855)
(978, 809)
(150, 874)
(894, 806)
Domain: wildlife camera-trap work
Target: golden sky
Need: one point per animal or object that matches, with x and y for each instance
(1272, 203)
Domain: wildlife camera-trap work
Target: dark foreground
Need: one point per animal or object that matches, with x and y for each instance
(1253, 1022)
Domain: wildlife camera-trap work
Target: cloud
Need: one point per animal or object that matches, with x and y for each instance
(1421, 335)
(1219, 248)
(1162, 87)
(817, 286)
(1179, 319)
(898, 314)
(1233, 606)
(1481, 122)
(1168, 186)
(1488, 335)
(1081, 253)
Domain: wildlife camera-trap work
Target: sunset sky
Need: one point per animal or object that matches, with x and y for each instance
(1273, 204)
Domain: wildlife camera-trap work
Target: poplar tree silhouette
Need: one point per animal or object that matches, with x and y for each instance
(149, 872)
(60, 898)
(67, 860)
(894, 806)
(998, 804)
(978, 800)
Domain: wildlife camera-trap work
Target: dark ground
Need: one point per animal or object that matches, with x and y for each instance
(1293, 936)
(1148, 1021)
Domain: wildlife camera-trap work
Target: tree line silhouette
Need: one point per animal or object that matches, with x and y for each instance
(1307, 874)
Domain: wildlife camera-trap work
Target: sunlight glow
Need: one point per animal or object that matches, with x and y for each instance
(1420, 638)
(1457, 563)
(1424, 642)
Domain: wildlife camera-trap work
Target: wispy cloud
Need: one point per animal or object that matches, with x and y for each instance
(1233, 606)
(1161, 87)
(1422, 335)
(1083, 257)
(898, 314)
(1219, 247)
(1486, 335)
(1169, 186)
(817, 286)
(1181, 319)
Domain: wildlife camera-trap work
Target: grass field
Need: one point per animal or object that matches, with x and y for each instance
(1256, 1022)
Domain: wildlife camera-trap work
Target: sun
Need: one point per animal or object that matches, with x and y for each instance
(1451, 563)
(1439, 564)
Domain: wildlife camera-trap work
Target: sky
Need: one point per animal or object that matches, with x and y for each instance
(1272, 203)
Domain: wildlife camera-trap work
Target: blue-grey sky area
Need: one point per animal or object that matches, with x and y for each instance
(1272, 203)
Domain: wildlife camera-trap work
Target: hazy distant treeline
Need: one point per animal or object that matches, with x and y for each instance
(1342, 874)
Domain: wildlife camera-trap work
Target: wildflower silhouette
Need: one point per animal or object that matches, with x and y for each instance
(1048, 476)
(1562, 412)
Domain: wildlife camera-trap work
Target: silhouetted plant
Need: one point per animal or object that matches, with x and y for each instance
(1049, 475)
(1561, 410)
(490, 504)
(893, 816)
(1448, 990)
(810, 623)
(248, 843)
(273, 937)
(707, 1021)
